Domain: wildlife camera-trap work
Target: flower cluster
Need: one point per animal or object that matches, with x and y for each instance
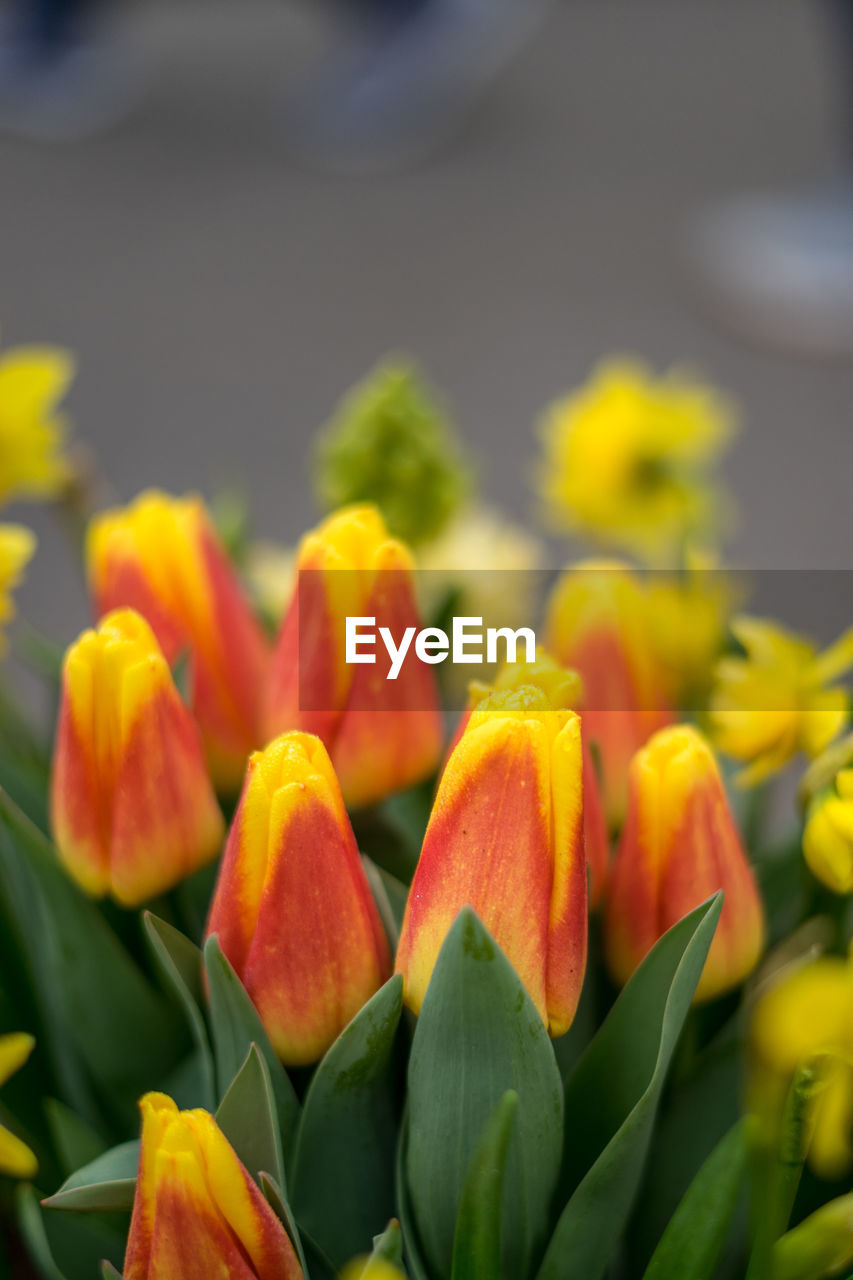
(410, 985)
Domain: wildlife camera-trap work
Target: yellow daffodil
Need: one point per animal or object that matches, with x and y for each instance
(16, 1159)
(626, 458)
(688, 614)
(806, 1017)
(17, 545)
(828, 836)
(33, 381)
(779, 698)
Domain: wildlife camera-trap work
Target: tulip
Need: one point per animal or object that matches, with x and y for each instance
(16, 1158)
(828, 836)
(805, 1017)
(382, 735)
(162, 556)
(292, 907)
(506, 838)
(132, 807)
(680, 845)
(563, 689)
(197, 1214)
(598, 624)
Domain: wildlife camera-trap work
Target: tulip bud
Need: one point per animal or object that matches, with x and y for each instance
(828, 836)
(292, 906)
(132, 808)
(678, 847)
(597, 623)
(162, 556)
(563, 689)
(197, 1213)
(382, 734)
(506, 838)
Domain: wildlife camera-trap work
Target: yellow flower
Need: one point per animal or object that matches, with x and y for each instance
(32, 382)
(687, 618)
(626, 456)
(17, 545)
(775, 700)
(828, 837)
(370, 1269)
(16, 1159)
(806, 1017)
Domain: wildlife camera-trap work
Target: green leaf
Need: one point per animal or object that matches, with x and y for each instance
(181, 964)
(80, 1243)
(477, 1243)
(612, 1098)
(236, 1025)
(276, 1198)
(388, 1246)
(108, 1272)
(691, 1244)
(390, 895)
(85, 982)
(31, 1225)
(75, 1141)
(247, 1117)
(106, 1184)
(343, 1189)
(478, 1035)
(413, 1251)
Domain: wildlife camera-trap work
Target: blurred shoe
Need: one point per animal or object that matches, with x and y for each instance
(69, 93)
(399, 92)
(780, 271)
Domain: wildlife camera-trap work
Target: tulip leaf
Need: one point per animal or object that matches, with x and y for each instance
(181, 964)
(694, 1238)
(104, 1185)
(75, 1141)
(478, 1035)
(388, 1246)
(343, 1188)
(612, 1097)
(390, 895)
(85, 982)
(80, 1243)
(277, 1200)
(477, 1242)
(236, 1024)
(412, 1247)
(247, 1117)
(108, 1272)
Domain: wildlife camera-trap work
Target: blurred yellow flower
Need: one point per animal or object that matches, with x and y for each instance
(775, 700)
(688, 614)
(16, 1159)
(806, 1017)
(828, 836)
(626, 458)
(270, 571)
(371, 1269)
(32, 382)
(17, 545)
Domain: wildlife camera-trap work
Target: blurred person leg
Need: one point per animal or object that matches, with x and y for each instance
(780, 267)
(60, 79)
(408, 74)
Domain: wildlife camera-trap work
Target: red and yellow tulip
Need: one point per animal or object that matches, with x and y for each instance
(563, 689)
(292, 908)
(132, 807)
(197, 1213)
(382, 735)
(678, 847)
(162, 556)
(597, 623)
(506, 838)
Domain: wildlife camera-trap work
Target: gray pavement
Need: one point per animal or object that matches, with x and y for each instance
(220, 298)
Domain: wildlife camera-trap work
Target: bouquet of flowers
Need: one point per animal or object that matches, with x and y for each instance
(312, 965)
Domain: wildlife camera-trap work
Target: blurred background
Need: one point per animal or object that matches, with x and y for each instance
(221, 293)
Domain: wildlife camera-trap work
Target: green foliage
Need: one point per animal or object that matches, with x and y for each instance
(390, 443)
